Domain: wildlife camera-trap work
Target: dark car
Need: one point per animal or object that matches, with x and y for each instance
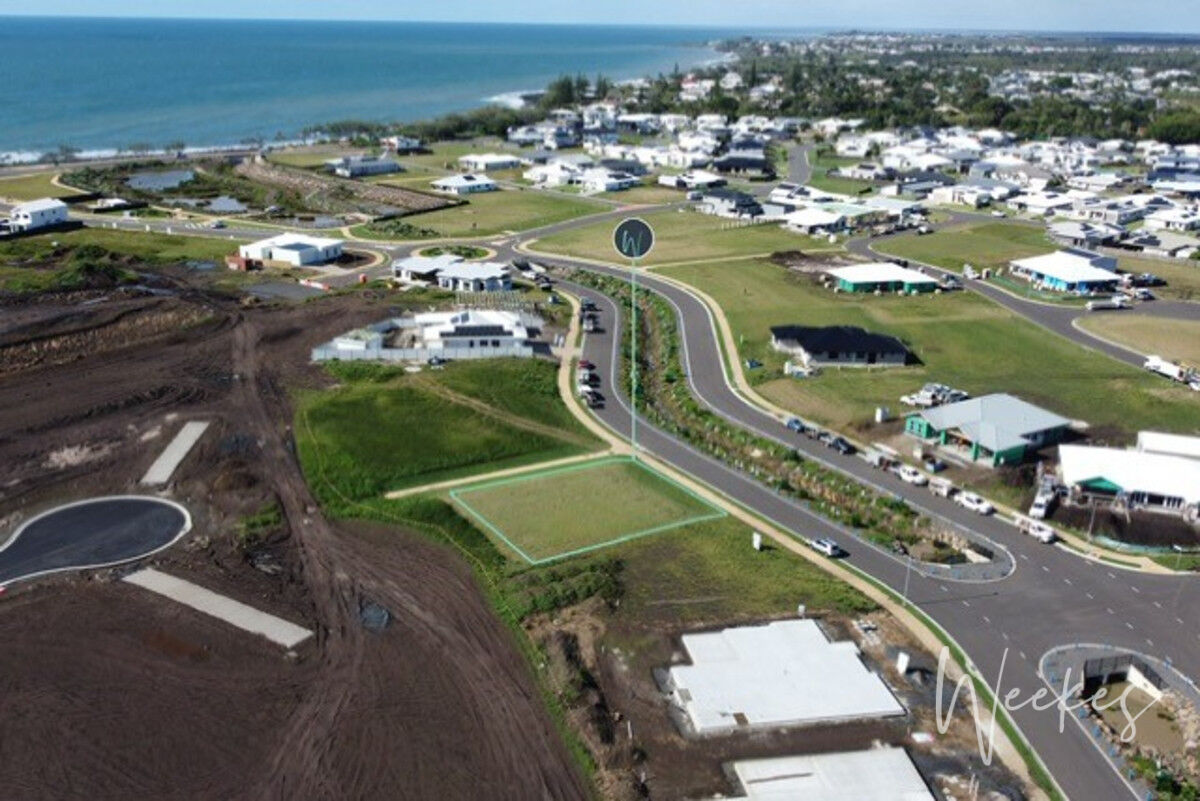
(840, 445)
(796, 424)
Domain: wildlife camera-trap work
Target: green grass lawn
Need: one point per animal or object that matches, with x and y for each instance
(708, 573)
(33, 187)
(989, 244)
(38, 263)
(962, 339)
(678, 236)
(310, 157)
(383, 429)
(558, 513)
(1178, 340)
(490, 213)
(1182, 275)
(825, 161)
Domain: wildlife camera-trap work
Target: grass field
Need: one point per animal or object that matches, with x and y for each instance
(989, 244)
(572, 510)
(961, 339)
(679, 236)
(995, 244)
(33, 187)
(490, 213)
(310, 157)
(1178, 340)
(39, 263)
(825, 161)
(383, 429)
(648, 194)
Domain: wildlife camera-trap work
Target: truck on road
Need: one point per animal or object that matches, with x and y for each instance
(1173, 371)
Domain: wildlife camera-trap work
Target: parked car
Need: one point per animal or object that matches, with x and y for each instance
(584, 364)
(1141, 293)
(1040, 507)
(795, 424)
(974, 503)
(934, 465)
(826, 546)
(999, 214)
(435, 361)
(841, 445)
(911, 475)
(1038, 530)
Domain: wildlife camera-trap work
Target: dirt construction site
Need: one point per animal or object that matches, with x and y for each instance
(108, 691)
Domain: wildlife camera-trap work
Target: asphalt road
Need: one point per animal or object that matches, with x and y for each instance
(1054, 597)
(95, 533)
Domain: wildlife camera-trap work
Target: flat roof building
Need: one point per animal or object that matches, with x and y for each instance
(295, 250)
(482, 162)
(999, 428)
(785, 673)
(37, 214)
(883, 276)
(1148, 480)
(878, 774)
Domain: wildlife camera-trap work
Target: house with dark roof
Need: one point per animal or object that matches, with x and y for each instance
(838, 345)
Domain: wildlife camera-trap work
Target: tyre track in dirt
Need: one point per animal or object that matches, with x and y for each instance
(441, 704)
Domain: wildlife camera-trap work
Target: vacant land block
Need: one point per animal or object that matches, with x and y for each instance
(679, 236)
(573, 510)
(32, 187)
(488, 213)
(384, 430)
(961, 339)
(990, 244)
(1178, 340)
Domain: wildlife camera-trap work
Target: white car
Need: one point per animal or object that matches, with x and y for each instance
(977, 504)
(911, 475)
(826, 546)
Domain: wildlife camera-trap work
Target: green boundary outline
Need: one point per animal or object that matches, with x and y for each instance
(456, 496)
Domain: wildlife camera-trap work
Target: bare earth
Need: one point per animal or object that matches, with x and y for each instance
(108, 692)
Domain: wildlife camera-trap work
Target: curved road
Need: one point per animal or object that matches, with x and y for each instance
(1053, 598)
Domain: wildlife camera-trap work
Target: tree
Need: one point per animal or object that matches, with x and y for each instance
(1176, 128)
(603, 87)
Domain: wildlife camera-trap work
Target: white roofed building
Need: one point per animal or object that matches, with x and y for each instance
(37, 214)
(1072, 270)
(295, 250)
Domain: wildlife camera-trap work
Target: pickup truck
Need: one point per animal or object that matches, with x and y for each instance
(1115, 303)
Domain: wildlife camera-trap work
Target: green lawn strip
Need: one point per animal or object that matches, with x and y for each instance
(555, 514)
(33, 187)
(679, 236)
(961, 339)
(382, 432)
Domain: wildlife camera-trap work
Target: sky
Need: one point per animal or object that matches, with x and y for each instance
(1165, 16)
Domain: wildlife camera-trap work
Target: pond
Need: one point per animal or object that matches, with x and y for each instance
(160, 181)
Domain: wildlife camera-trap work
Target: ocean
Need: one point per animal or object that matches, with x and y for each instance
(101, 84)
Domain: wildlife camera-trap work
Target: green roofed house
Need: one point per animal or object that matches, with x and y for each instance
(883, 276)
(998, 429)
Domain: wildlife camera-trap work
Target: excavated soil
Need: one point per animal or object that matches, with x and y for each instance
(109, 692)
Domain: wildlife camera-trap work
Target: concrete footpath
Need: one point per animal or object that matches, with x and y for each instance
(164, 466)
(236, 613)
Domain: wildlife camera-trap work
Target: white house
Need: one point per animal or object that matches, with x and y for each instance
(453, 272)
(483, 162)
(1072, 270)
(1173, 219)
(467, 184)
(296, 250)
(605, 180)
(37, 214)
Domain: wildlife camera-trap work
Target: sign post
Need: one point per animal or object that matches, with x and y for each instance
(633, 238)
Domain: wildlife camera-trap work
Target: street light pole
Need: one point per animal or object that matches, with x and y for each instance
(633, 364)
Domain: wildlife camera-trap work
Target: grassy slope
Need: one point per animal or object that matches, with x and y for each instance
(148, 249)
(549, 515)
(507, 210)
(385, 430)
(962, 339)
(991, 244)
(679, 236)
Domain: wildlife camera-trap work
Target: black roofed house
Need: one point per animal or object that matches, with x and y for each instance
(725, 202)
(838, 345)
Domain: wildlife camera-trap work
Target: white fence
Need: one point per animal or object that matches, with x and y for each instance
(327, 353)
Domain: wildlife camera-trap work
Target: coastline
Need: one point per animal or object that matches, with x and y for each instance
(410, 78)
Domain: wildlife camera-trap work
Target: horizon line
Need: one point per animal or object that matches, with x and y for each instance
(826, 28)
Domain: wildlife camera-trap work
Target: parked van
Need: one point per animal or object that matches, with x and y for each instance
(942, 487)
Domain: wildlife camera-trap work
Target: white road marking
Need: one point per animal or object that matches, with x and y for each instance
(1091, 597)
(1157, 605)
(987, 620)
(1110, 611)
(1128, 625)
(1112, 575)
(1068, 581)
(1026, 558)
(1135, 589)
(1150, 642)
(966, 603)
(1045, 569)
(942, 587)
(1004, 634)
(1022, 653)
